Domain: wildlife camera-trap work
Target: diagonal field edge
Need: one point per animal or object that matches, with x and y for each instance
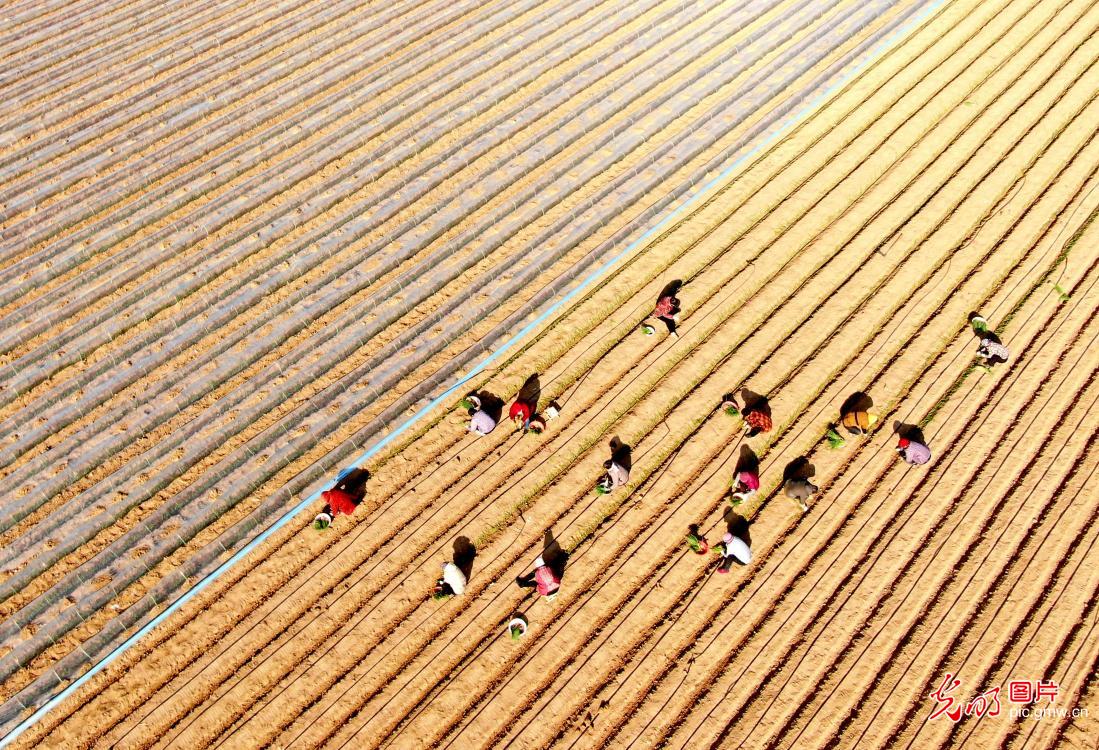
(591, 278)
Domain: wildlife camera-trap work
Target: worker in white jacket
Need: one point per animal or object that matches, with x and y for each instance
(453, 582)
(733, 549)
(617, 476)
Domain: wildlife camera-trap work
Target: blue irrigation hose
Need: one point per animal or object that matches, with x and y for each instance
(592, 277)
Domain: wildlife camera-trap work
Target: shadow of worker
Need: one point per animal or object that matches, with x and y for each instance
(800, 469)
(464, 554)
(531, 391)
(738, 525)
(747, 461)
(553, 555)
(621, 453)
(909, 432)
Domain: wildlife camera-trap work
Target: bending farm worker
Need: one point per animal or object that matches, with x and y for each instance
(858, 422)
(757, 417)
(745, 484)
(543, 579)
(479, 420)
(800, 490)
(520, 414)
(453, 582)
(667, 310)
(756, 421)
(733, 550)
(342, 498)
(992, 351)
(913, 452)
(616, 476)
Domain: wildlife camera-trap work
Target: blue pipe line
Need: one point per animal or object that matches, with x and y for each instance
(297, 509)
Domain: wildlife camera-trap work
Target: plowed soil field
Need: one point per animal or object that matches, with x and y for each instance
(242, 243)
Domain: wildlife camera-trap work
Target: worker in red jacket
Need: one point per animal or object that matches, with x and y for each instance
(523, 417)
(342, 498)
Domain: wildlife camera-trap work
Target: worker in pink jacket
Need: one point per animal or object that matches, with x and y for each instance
(543, 579)
(745, 484)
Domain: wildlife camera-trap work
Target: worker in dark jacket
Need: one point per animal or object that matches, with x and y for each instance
(799, 490)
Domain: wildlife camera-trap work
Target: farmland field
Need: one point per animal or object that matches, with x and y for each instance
(243, 245)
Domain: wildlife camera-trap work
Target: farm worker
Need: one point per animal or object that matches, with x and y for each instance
(667, 310)
(342, 498)
(480, 422)
(800, 490)
(616, 476)
(733, 549)
(543, 579)
(520, 414)
(756, 417)
(756, 421)
(992, 351)
(858, 422)
(913, 451)
(745, 484)
(453, 582)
